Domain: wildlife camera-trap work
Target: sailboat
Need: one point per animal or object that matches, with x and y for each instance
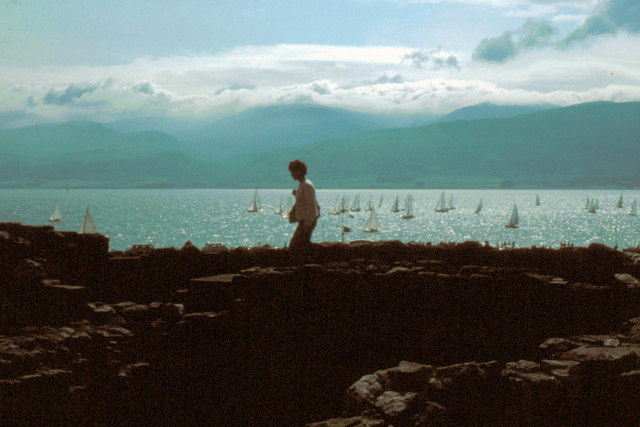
(588, 203)
(537, 200)
(479, 207)
(255, 203)
(344, 204)
(441, 207)
(450, 206)
(634, 208)
(337, 207)
(355, 206)
(619, 205)
(380, 201)
(513, 221)
(396, 203)
(373, 225)
(280, 208)
(593, 206)
(56, 215)
(369, 205)
(88, 226)
(409, 208)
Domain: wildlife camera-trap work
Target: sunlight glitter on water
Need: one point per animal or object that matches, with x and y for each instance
(170, 217)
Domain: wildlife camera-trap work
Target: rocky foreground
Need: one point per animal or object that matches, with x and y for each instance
(368, 334)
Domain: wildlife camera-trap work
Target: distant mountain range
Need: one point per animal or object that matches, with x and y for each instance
(268, 128)
(492, 111)
(587, 145)
(89, 154)
(485, 146)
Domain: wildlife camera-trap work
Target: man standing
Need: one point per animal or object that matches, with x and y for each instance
(305, 211)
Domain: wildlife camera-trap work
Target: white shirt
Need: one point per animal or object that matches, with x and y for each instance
(306, 204)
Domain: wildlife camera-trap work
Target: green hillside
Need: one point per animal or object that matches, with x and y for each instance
(281, 126)
(89, 154)
(587, 145)
(582, 146)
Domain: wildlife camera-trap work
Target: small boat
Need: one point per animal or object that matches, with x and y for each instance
(373, 225)
(441, 206)
(355, 206)
(537, 200)
(634, 208)
(344, 204)
(88, 226)
(369, 205)
(396, 205)
(593, 206)
(337, 207)
(620, 203)
(255, 203)
(479, 207)
(280, 208)
(56, 215)
(513, 220)
(450, 206)
(380, 201)
(409, 208)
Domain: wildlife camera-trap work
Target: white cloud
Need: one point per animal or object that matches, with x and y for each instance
(578, 19)
(377, 79)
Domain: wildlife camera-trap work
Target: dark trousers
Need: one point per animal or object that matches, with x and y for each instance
(301, 239)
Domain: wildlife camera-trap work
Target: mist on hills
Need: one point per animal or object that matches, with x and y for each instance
(587, 145)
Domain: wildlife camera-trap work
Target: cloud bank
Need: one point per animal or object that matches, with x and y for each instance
(369, 79)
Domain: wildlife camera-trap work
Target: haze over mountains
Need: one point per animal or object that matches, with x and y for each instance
(484, 146)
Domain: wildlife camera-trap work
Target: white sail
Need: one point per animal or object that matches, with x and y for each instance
(513, 221)
(280, 208)
(355, 206)
(88, 226)
(409, 208)
(56, 214)
(255, 203)
(593, 206)
(634, 208)
(450, 206)
(396, 203)
(380, 201)
(369, 205)
(479, 207)
(441, 206)
(588, 203)
(336, 209)
(373, 225)
(537, 200)
(620, 203)
(344, 204)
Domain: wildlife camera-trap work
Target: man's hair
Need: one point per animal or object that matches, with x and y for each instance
(298, 166)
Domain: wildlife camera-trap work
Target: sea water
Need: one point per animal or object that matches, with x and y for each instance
(167, 218)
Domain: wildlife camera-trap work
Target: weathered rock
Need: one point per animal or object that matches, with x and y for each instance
(627, 280)
(100, 312)
(612, 360)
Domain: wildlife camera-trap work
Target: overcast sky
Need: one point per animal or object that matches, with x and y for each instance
(107, 60)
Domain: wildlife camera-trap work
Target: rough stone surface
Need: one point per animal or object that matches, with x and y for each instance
(416, 334)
